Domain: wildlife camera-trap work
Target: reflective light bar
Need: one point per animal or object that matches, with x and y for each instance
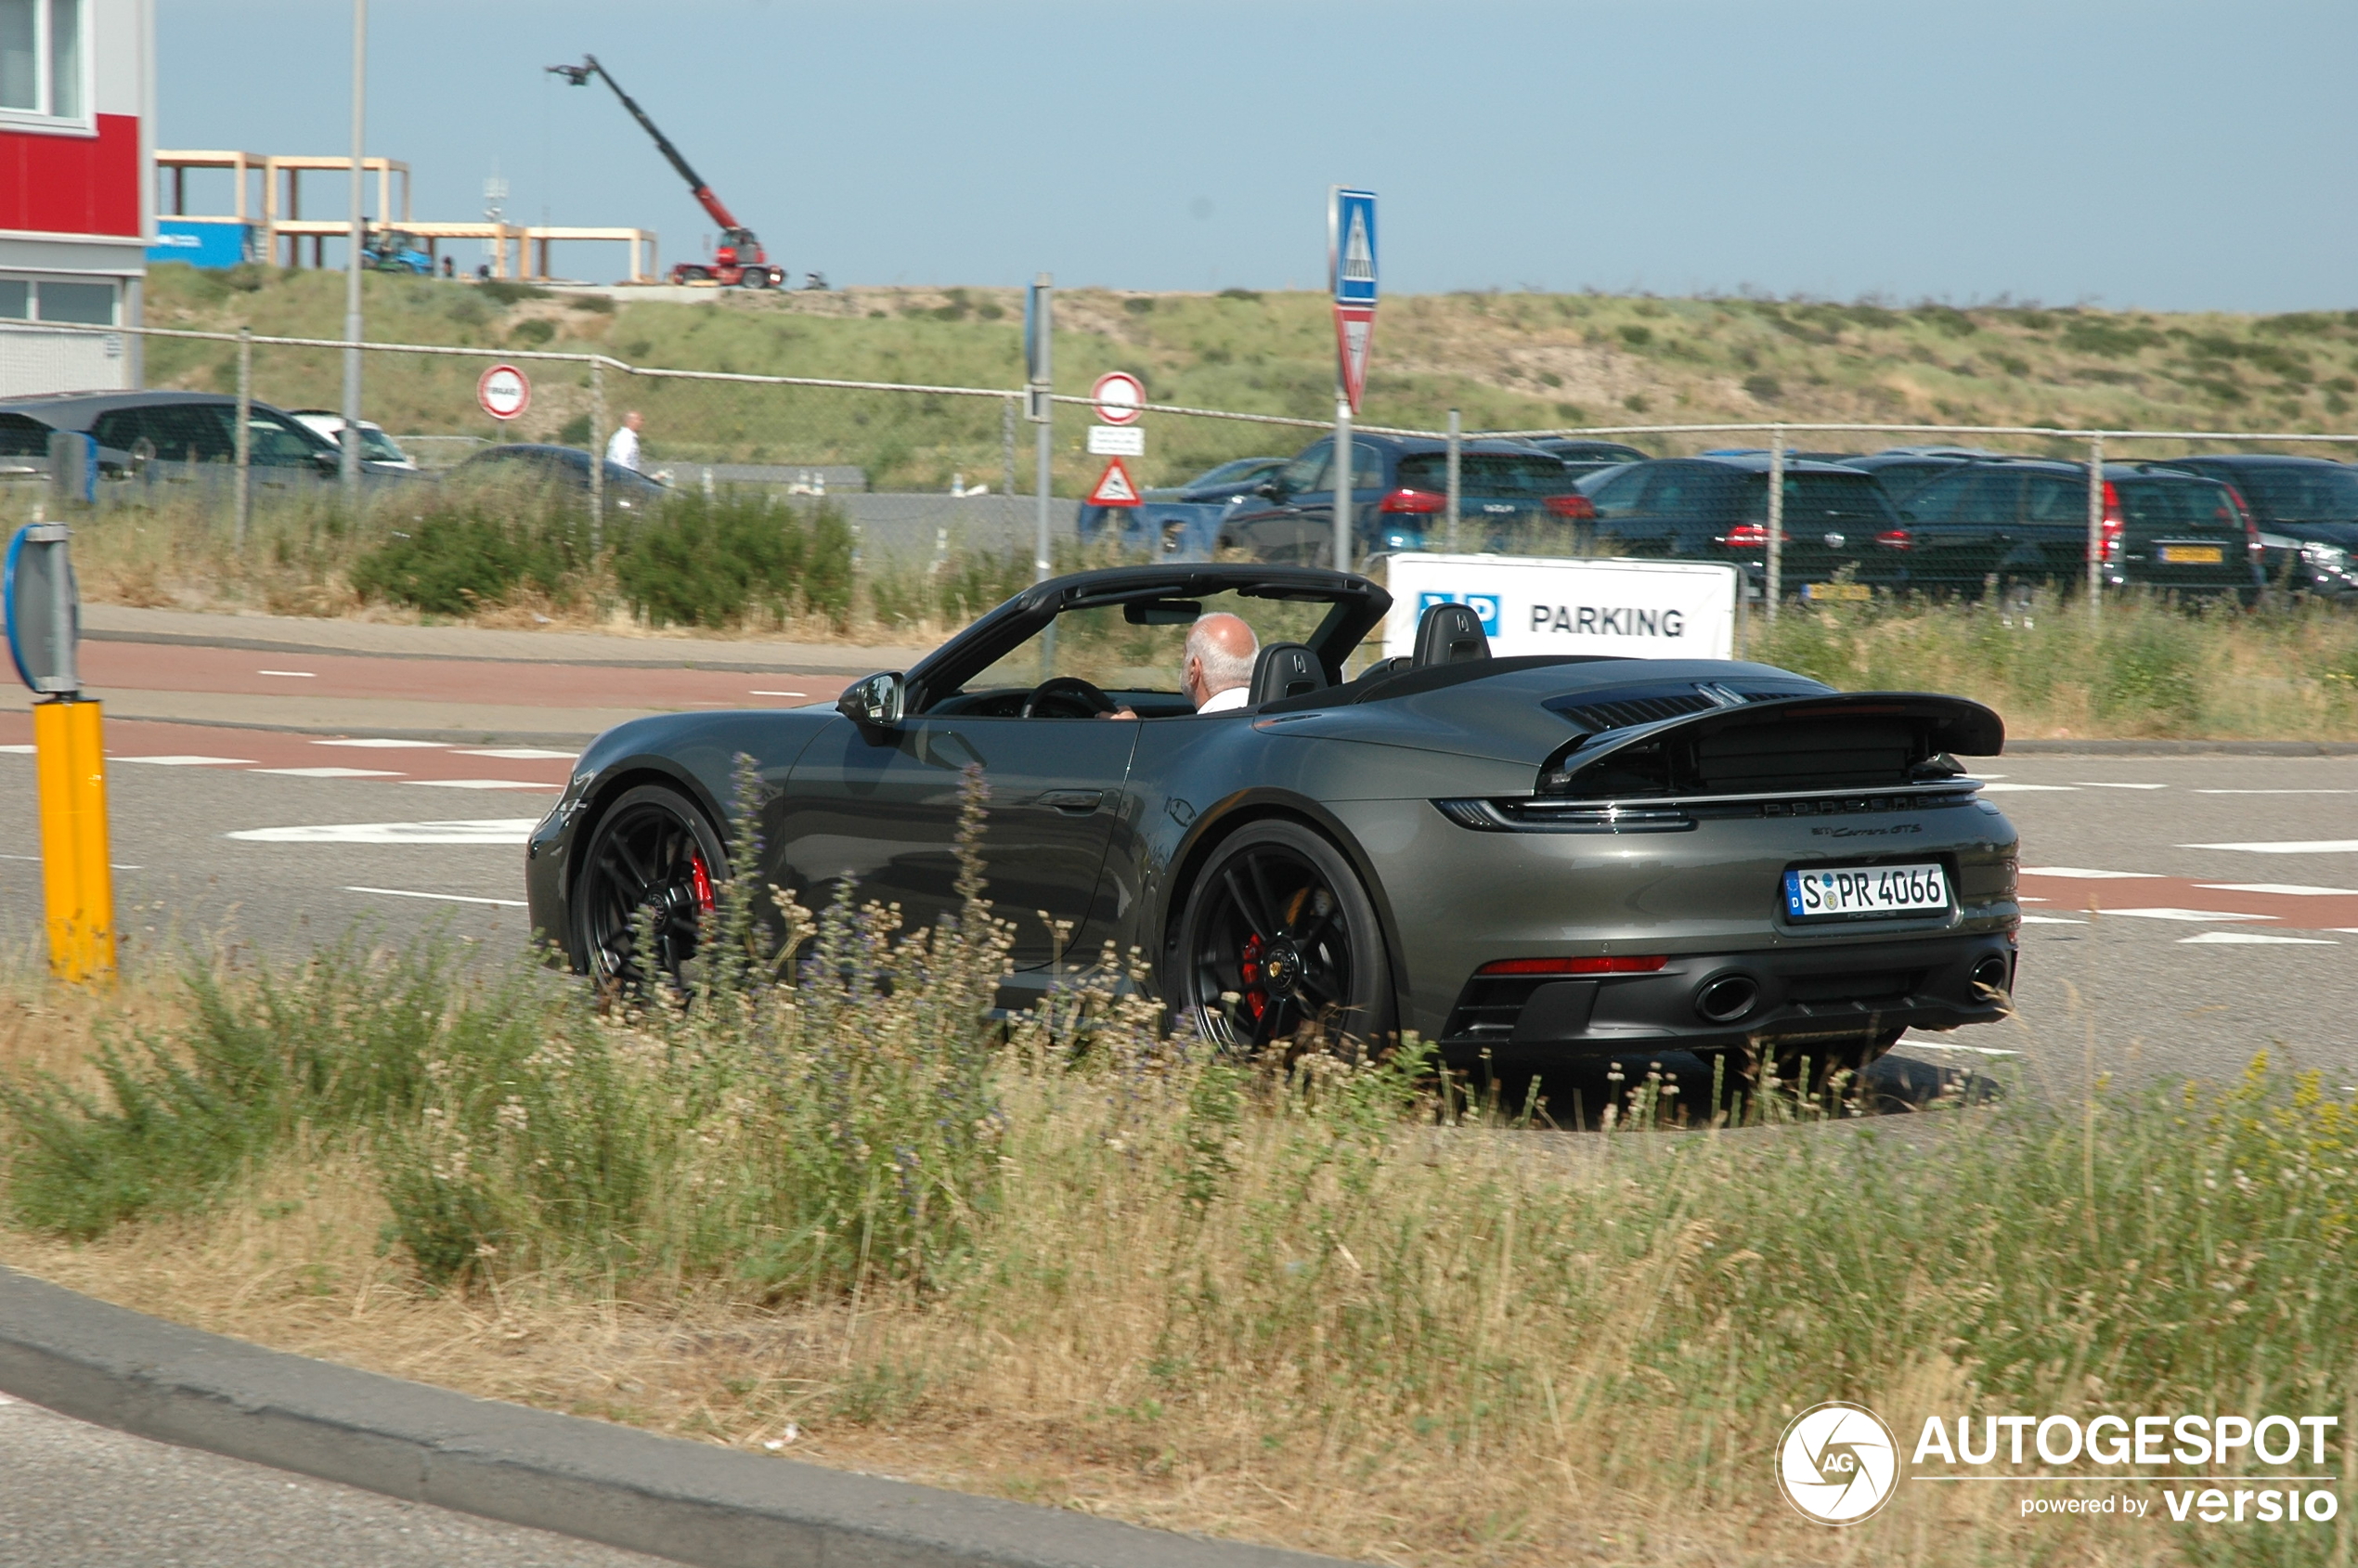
(1573, 966)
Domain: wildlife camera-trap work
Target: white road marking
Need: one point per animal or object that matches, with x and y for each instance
(2050, 920)
(383, 745)
(2293, 888)
(2165, 912)
(2000, 789)
(1911, 1042)
(289, 674)
(189, 761)
(777, 693)
(2288, 847)
(448, 898)
(484, 783)
(478, 830)
(117, 865)
(2276, 792)
(2093, 784)
(331, 773)
(521, 754)
(19, 750)
(2256, 936)
(2083, 872)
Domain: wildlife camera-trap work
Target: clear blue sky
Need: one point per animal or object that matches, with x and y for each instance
(2118, 152)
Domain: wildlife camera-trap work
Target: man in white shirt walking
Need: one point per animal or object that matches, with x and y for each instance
(622, 450)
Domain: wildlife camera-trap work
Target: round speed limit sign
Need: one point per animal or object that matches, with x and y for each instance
(503, 392)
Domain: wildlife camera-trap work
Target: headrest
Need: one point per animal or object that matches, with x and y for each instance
(1286, 669)
(1449, 634)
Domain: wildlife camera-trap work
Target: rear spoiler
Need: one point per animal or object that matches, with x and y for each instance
(1936, 727)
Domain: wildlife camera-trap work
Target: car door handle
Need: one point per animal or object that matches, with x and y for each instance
(1079, 802)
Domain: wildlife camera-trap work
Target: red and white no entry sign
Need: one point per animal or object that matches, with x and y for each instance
(504, 392)
(1121, 398)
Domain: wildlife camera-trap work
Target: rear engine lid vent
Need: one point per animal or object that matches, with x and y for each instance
(1618, 710)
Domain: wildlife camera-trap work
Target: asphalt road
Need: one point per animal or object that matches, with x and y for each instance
(76, 1495)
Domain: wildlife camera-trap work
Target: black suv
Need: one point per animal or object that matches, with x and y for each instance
(1508, 497)
(1582, 457)
(2024, 521)
(2308, 513)
(1715, 507)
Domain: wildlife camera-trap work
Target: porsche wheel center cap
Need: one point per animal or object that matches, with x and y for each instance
(1281, 968)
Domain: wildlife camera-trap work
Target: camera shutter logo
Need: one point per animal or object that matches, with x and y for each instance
(1837, 1463)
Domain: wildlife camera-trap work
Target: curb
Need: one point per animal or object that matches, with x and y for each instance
(691, 1502)
(2181, 749)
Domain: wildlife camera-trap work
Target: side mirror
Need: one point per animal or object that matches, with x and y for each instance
(874, 702)
(1270, 490)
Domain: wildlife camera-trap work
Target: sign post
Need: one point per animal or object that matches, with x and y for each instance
(1039, 362)
(1351, 268)
(43, 613)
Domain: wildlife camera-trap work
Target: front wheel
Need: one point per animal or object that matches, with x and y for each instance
(1279, 949)
(652, 866)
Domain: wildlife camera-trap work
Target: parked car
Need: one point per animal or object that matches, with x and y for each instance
(178, 437)
(2307, 568)
(1530, 861)
(2308, 505)
(2024, 521)
(1508, 496)
(375, 444)
(1181, 522)
(1582, 457)
(1900, 472)
(529, 462)
(1716, 509)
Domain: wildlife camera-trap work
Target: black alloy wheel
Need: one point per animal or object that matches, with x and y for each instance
(653, 851)
(1279, 950)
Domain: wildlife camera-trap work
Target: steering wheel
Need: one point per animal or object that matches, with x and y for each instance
(1069, 693)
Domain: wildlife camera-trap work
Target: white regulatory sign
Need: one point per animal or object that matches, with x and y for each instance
(1117, 441)
(504, 392)
(1532, 604)
(1120, 396)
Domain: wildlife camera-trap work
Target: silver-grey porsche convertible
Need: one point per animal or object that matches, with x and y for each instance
(1529, 861)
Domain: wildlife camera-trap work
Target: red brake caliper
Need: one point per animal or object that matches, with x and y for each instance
(701, 880)
(1249, 970)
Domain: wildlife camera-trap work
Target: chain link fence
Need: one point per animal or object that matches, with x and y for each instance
(924, 476)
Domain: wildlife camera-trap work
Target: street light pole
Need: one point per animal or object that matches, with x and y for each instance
(351, 467)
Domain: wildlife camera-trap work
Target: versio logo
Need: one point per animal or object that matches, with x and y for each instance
(1837, 1463)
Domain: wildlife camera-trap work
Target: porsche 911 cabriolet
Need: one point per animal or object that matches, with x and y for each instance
(1526, 861)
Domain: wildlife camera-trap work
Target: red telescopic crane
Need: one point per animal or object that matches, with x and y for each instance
(739, 260)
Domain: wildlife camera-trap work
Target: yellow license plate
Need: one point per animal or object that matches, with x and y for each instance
(2191, 554)
(1844, 593)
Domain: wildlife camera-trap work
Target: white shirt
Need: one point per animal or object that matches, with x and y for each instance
(623, 449)
(1226, 702)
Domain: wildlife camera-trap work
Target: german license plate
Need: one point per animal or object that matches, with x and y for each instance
(1829, 892)
(2191, 554)
(1838, 593)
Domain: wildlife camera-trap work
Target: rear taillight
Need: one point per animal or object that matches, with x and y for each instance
(2114, 526)
(1896, 538)
(2251, 524)
(1573, 966)
(1419, 504)
(1577, 507)
(1751, 536)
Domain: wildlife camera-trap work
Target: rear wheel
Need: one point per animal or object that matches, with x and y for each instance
(755, 277)
(654, 852)
(1278, 949)
(691, 274)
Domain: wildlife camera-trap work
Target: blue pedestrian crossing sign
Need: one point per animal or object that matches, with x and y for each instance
(1351, 245)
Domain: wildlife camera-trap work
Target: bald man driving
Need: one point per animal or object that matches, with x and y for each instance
(1216, 669)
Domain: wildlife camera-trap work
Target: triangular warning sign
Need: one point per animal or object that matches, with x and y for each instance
(1358, 256)
(1355, 330)
(1115, 487)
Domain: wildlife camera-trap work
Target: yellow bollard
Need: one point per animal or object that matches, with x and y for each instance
(77, 879)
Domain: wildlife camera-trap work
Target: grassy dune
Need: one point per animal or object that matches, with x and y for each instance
(1507, 360)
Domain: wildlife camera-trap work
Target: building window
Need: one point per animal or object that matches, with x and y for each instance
(43, 58)
(16, 300)
(88, 305)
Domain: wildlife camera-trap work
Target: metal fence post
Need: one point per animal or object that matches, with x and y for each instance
(1456, 443)
(2096, 531)
(1346, 492)
(242, 503)
(1007, 459)
(1775, 556)
(1043, 412)
(352, 324)
(598, 455)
